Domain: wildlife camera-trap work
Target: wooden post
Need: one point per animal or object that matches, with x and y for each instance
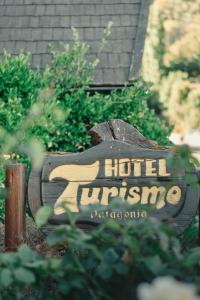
(15, 206)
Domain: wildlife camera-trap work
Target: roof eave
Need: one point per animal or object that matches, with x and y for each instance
(108, 87)
(136, 61)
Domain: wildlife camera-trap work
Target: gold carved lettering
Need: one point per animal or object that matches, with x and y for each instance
(124, 167)
(150, 170)
(79, 175)
(134, 196)
(123, 190)
(110, 169)
(174, 195)
(137, 166)
(108, 192)
(76, 175)
(154, 195)
(92, 199)
(163, 167)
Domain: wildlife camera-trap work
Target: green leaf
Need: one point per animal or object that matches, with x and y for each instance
(56, 263)
(6, 277)
(57, 237)
(64, 287)
(38, 264)
(164, 241)
(121, 268)
(25, 276)
(36, 153)
(154, 264)
(77, 282)
(104, 271)
(26, 254)
(193, 258)
(43, 215)
(110, 256)
(113, 225)
(9, 258)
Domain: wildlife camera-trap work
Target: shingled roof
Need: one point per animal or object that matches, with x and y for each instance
(33, 24)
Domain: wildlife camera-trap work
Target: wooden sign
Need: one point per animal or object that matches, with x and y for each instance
(123, 164)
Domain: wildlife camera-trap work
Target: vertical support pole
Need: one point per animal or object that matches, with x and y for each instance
(15, 206)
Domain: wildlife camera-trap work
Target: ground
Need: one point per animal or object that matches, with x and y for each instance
(35, 238)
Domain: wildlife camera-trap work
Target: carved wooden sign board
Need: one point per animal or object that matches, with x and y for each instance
(122, 164)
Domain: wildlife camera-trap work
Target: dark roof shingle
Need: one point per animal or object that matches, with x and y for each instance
(33, 24)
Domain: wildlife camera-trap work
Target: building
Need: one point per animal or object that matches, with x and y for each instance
(33, 24)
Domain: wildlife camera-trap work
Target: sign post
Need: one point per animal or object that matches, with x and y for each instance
(15, 206)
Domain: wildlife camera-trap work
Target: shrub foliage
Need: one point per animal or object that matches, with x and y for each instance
(68, 109)
(115, 253)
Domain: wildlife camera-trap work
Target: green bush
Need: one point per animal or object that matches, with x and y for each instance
(19, 86)
(108, 262)
(69, 69)
(63, 86)
(83, 111)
